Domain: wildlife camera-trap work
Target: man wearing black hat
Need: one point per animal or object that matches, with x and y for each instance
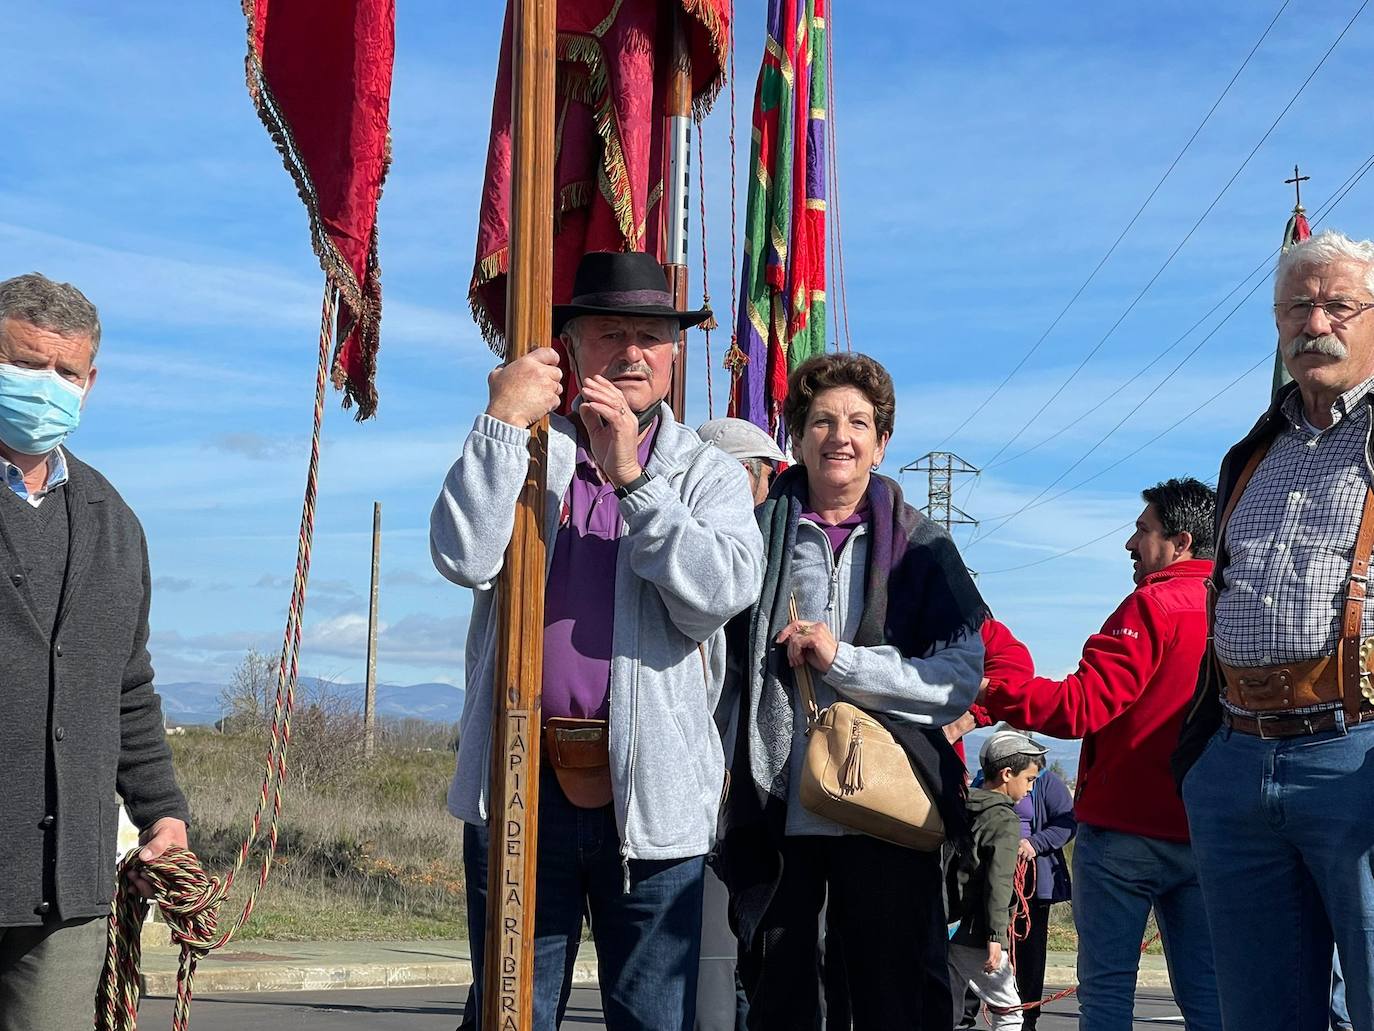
(653, 547)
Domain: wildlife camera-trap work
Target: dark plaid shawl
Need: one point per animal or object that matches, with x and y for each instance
(918, 596)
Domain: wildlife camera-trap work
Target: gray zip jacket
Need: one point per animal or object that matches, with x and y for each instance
(933, 689)
(690, 558)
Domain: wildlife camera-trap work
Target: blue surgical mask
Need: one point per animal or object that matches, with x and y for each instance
(38, 409)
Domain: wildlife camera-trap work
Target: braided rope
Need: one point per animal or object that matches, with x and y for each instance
(188, 898)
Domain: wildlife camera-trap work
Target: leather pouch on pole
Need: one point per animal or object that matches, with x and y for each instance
(579, 752)
(858, 775)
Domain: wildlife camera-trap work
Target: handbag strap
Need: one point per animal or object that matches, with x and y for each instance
(802, 674)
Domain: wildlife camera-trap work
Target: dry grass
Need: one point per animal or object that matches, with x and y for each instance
(366, 849)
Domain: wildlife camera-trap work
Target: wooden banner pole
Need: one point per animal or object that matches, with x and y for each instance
(513, 801)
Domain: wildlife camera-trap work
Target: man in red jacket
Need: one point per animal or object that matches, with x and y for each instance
(1126, 701)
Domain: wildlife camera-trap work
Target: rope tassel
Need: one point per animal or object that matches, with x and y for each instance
(852, 772)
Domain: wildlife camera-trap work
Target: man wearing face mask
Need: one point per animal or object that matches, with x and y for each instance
(79, 721)
(652, 548)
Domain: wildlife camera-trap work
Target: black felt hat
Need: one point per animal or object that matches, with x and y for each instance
(622, 283)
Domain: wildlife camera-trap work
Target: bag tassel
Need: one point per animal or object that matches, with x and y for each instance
(852, 772)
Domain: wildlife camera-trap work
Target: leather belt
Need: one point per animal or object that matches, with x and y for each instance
(1269, 725)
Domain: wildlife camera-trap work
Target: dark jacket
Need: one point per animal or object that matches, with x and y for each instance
(986, 888)
(1203, 715)
(1052, 827)
(79, 720)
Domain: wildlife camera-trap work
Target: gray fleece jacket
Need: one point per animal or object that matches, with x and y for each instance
(932, 689)
(690, 558)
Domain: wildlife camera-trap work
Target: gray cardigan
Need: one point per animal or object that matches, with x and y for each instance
(81, 702)
(691, 558)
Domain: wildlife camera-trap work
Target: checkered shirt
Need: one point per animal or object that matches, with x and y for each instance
(1291, 537)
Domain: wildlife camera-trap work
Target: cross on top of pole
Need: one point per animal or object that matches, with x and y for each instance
(1297, 182)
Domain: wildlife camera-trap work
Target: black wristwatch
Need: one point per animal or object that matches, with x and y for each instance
(626, 490)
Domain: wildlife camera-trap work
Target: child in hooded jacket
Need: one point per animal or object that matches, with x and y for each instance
(979, 951)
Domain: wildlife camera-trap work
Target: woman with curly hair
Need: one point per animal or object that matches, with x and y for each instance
(888, 620)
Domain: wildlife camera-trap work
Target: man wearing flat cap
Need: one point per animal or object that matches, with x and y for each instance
(652, 548)
(750, 446)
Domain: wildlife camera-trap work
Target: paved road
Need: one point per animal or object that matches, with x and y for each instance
(437, 1009)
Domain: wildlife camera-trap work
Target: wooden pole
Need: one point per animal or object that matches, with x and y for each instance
(370, 695)
(513, 801)
(677, 183)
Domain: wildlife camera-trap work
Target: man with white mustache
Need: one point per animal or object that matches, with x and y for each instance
(1274, 760)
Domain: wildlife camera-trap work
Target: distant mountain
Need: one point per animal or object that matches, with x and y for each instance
(193, 703)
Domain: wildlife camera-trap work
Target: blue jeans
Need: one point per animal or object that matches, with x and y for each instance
(648, 939)
(1284, 834)
(1117, 879)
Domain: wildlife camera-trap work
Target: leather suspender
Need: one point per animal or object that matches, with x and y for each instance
(1214, 582)
(1349, 664)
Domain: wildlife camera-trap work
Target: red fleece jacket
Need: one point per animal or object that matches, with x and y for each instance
(1004, 658)
(1126, 701)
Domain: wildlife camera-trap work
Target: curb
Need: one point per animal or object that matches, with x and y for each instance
(256, 974)
(1065, 974)
(213, 977)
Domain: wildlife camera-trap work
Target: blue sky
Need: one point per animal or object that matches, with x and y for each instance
(988, 157)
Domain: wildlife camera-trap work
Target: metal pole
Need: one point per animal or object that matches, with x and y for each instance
(676, 189)
(370, 697)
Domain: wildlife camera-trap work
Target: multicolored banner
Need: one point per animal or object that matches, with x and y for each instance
(320, 76)
(782, 310)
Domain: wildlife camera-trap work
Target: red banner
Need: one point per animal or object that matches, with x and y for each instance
(319, 72)
(608, 173)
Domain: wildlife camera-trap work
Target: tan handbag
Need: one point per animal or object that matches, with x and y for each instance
(856, 774)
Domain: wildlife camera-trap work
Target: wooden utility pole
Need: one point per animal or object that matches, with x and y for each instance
(677, 178)
(370, 694)
(513, 799)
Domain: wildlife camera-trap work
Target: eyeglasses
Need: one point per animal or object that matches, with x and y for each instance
(1339, 310)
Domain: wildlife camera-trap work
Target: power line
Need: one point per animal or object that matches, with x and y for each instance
(1061, 554)
(1124, 419)
(1325, 210)
(1122, 235)
(1336, 197)
(1266, 359)
(1187, 236)
(1152, 363)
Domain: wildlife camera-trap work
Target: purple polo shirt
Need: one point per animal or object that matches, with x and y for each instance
(579, 601)
(838, 533)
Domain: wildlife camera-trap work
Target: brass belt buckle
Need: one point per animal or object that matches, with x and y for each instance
(1366, 662)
